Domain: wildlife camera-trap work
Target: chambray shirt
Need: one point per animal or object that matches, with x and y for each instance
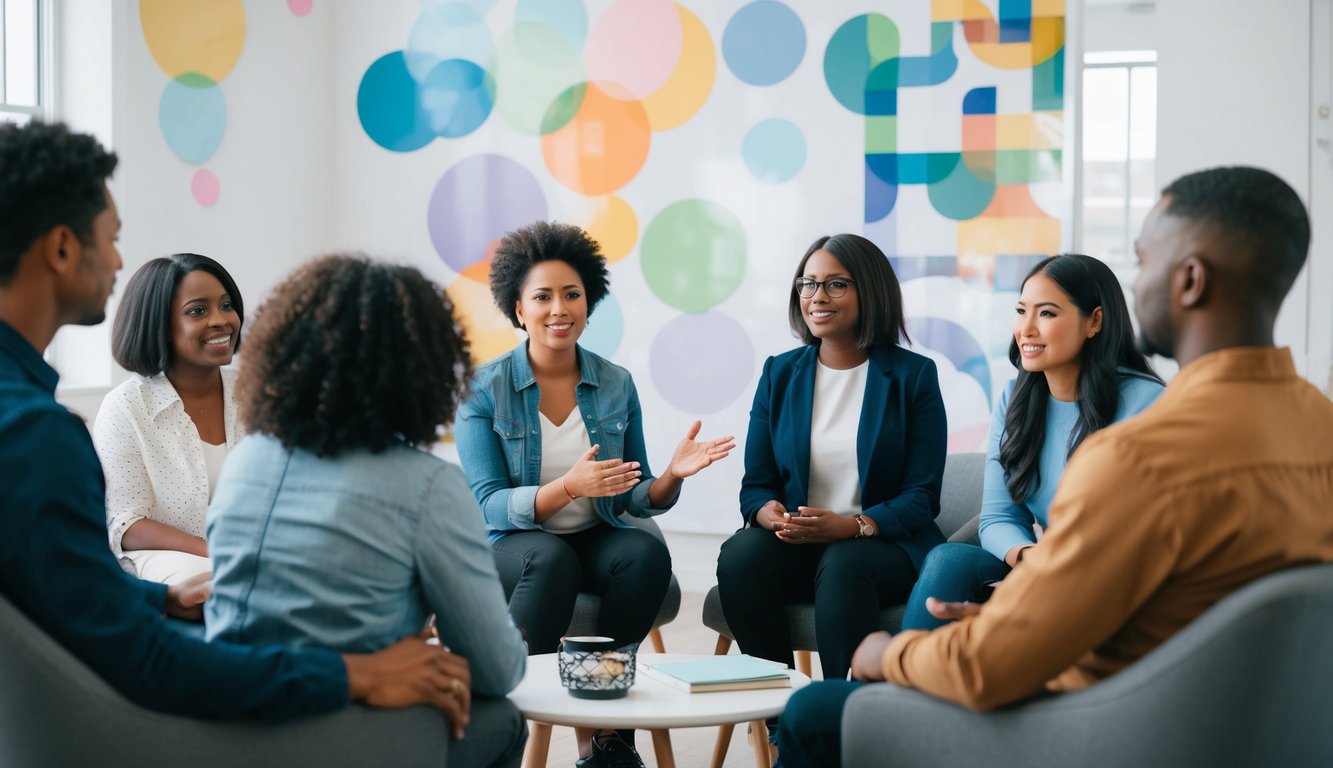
(56, 567)
(353, 552)
(500, 439)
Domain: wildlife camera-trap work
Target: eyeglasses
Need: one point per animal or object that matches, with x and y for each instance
(834, 287)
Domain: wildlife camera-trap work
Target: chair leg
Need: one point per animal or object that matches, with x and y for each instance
(723, 645)
(803, 662)
(722, 744)
(656, 637)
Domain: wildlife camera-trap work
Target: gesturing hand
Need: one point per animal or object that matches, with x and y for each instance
(868, 660)
(185, 600)
(411, 672)
(692, 456)
(816, 526)
(589, 477)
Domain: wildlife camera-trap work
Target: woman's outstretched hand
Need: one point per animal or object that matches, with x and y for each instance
(692, 455)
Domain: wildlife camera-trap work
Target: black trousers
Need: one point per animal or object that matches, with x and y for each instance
(543, 573)
(849, 582)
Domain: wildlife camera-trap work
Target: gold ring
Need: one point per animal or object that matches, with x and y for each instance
(457, 688)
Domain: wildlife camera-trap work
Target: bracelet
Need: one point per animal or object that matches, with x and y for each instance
(565, 488)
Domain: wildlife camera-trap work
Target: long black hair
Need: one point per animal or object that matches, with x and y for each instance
(1089, 284)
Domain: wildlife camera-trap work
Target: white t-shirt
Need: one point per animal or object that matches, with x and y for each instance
(835, 481)
(562, 446)
(214, 456)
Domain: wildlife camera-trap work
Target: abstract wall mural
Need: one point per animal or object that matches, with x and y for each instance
(954, 107)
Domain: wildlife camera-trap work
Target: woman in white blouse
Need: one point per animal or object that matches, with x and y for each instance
(163, 434)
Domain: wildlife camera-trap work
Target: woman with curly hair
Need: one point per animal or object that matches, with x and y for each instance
(331, 526)
(163, 434)
(551, 438)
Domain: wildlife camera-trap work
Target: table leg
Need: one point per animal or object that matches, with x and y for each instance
(662, 748)
(759, 740)
(724, 732)
(539, 744)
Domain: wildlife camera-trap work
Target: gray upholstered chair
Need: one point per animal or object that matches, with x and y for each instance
(586, 608)
(56, 712)
(960, 502)
(1247, 683)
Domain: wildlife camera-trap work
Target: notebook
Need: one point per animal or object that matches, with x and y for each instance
(717, 673)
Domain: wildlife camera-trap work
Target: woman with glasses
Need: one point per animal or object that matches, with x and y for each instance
(843, 464)
(551, 438)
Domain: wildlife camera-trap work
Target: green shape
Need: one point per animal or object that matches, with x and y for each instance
(693, 254)
(960, 195)
(857, 47)
(563, 109)
(1025, 166)
(534, 68)
(195, 80)
(881, 134)
(1048, 84)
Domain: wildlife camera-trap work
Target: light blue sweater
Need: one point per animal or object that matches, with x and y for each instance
(1004, 524)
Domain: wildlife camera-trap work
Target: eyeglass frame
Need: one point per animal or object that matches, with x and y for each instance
(801, 282)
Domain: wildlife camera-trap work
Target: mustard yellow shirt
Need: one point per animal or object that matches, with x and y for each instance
(1227, 477)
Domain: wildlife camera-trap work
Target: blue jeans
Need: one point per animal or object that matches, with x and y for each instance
(953, 573)
(810, 729)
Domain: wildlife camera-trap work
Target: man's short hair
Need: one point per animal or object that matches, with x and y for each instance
(1256, 211)
(49, 176)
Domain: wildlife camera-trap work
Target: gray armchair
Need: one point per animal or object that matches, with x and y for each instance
(1247, 683)
(588, 605)
(56, 712)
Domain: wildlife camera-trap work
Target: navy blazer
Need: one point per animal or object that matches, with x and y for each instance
(900, 443)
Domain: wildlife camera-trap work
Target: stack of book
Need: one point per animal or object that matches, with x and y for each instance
(717, 673)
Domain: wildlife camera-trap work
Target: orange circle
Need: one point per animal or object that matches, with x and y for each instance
(612, 223)
(602, 147)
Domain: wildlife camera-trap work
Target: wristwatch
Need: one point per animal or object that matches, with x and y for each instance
(866, 530)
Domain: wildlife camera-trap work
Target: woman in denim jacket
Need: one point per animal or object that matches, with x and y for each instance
(551, 439)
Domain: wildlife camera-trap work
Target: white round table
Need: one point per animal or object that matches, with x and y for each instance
(650, 705)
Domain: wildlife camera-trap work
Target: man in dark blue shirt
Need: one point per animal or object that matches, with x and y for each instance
(58, 263)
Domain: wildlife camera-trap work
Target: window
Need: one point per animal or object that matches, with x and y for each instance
(1119, 151)
(23, 92)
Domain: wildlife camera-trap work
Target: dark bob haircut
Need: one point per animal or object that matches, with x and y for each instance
(141, 333)
(350, 353)
(49, 176)
(546, 241)
(877, 290)
(1104, 360)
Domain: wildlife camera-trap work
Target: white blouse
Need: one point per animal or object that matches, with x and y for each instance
(835, 481)
(153, 458)
(561, 447)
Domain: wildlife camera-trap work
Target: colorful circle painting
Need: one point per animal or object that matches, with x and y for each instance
(693, 255)
(476, 202)
(389, 106)
(774, 150)
(611, 222)
(193, 117)
(203, 36)
(689, 86)
(764, 42)
(635, 43)
(602, 146)
(457, 97)
(701, 363)
(533, 65)
(606, 327)
(446, 31)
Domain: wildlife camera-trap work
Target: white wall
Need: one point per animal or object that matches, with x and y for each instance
(1119, 26)
(1234, 87)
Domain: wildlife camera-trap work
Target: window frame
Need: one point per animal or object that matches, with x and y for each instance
(44, 61)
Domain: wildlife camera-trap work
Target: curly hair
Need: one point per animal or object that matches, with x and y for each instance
(519, 250)
(141, 333)
(49, 176)
(350, 353)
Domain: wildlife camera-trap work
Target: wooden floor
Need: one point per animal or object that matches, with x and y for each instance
(693, 746)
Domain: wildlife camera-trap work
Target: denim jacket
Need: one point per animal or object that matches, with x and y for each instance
(500, 446)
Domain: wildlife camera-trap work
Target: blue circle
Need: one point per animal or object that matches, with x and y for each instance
(193, 117)
(774, 150)
(567, 17)
(389, 105)
(452, 30)
(764, 42)
(605, 328)
(457, 96)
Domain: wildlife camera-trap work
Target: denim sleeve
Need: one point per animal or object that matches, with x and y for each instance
(505, 505)
(56, 567)
(762, 480)
(635, 500)
(460, 583)
(918, 499)
(1004, 523)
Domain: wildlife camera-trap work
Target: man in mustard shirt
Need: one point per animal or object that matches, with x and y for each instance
(1227, 477)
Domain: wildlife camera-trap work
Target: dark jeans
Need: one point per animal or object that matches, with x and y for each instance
(849, 582)
(495, 737)
(953, 573)
(810, 729)
(543, 573)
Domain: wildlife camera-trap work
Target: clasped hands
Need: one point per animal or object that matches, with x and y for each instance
(811, 525)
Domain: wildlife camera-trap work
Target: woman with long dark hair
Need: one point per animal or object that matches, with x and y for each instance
(1078, 371)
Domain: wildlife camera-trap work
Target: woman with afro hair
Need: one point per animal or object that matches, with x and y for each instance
(551, 438)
